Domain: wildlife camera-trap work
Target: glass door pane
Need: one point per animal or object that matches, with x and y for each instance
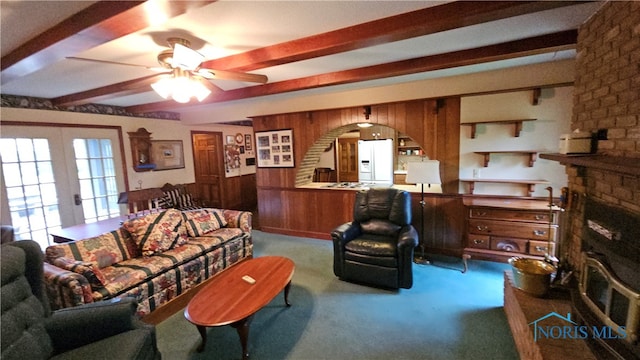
(96, 174)
(30, 186)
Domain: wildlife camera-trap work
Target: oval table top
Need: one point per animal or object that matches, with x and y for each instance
(228, 298)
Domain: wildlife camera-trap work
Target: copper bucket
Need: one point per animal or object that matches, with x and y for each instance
(532, 276)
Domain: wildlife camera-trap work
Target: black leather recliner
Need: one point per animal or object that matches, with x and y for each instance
(377, 247)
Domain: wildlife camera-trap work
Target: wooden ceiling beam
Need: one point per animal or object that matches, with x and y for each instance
(97, 24)
(394, 28)
(525, 47)
(131, 87)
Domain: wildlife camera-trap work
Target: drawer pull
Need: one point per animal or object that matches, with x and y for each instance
(509, 248)
(539, 232)
(539, 217)
(482, 227)
(541, 248)
(481, 213)
(477, 241)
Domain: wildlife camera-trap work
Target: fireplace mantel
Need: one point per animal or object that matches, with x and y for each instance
(618, 164)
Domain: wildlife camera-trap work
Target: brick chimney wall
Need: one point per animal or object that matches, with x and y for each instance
(606, 97)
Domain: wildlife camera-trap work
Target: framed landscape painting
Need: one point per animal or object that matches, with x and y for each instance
(275, 148)
(167, 154)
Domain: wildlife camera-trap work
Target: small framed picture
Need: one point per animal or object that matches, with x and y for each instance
(231, 139)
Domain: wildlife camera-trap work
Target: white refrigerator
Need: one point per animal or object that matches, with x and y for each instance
(375, 161)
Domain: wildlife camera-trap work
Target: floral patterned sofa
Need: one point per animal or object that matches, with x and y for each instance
(153, 258)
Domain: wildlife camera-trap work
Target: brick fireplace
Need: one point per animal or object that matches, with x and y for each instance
(607, 104)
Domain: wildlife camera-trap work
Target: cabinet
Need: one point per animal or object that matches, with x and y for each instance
(377, 132)
(400, 179)
(140, 142)
(499, 229)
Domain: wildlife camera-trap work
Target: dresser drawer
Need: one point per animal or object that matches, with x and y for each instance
(479, 241)
(509, 245)
(513, 215)
(540, 247)
(509, 229)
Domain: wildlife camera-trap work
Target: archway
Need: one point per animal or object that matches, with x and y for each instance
(312, 157)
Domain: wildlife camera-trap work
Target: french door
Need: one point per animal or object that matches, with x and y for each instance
(55, 177)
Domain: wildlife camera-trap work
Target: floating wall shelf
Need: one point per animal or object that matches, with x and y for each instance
(533, 155)
(530, 183)
(516, 122)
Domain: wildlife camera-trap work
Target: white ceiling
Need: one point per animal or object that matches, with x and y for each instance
(228, 27)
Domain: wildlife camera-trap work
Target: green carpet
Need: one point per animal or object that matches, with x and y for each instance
(446, 315)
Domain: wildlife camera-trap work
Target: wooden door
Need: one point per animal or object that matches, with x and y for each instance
(208, 158)
(347, 159)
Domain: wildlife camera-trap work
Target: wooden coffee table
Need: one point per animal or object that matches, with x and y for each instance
(230, 300)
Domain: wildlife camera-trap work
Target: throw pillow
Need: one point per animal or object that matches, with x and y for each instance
(155, 233)
(203, 221)
(185, 200)
(173, 197)
(89, 270)
(165, 202)
(103, 250)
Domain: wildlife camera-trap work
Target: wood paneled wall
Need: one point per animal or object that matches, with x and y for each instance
(433, 123)
(239, 192)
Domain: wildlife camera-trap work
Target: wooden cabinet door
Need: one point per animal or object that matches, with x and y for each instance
(208, 166)
(347, 159)
(377, 132)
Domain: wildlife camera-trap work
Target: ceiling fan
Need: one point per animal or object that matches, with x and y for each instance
(188, 79)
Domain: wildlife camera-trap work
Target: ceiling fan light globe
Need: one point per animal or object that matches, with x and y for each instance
(163, 87)
(181, 85)
(181, 97)
(199, 90)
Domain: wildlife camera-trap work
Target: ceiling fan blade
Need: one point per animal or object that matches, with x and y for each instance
(232, 75)
(212, 87)
(157, 68)
(185, 57)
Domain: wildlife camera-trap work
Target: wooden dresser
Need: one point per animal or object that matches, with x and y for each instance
(498, 229)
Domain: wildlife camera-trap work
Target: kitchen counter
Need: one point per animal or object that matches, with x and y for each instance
(365, 186)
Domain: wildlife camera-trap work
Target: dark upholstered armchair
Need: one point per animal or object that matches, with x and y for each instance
(102, 330)
(377, 246)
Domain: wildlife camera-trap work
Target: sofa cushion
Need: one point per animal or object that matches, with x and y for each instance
(204, 221)
(89, 270)
(155, 233)
(103, 250)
